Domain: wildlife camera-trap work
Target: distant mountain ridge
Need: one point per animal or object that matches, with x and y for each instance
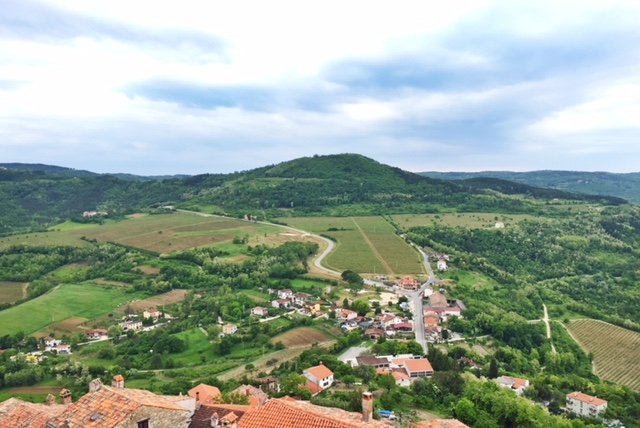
(622, 185)
(72, 172)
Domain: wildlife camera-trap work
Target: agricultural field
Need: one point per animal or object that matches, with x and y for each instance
(12, 291)
(364, 244)
(469, 220)
(67, 304)
(301, 336)
(43, 239)
(159, 301)
(616, 351)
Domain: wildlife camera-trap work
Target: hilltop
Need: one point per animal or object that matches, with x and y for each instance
(345, 184)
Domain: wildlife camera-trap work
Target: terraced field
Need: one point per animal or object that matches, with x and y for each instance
(616, 350)
(365, 244)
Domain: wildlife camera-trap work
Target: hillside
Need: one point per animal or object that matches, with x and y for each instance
(346, 184)
(625, 186)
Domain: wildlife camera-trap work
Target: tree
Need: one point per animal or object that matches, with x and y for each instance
(352, 277)
(493, 369)
(465, 410)
(387, 382)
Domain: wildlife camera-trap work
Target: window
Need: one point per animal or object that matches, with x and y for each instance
(143, 424)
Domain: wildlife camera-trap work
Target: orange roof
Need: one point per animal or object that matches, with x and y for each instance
(586, 398)
(256, 395)
(287, 413)
(439, 423)
(16, 413)
(418, 365)
(313, 388)
(399, 375)
(320, 371)
(204, 393)
(118, 378)
(228, 412)
(109, 406)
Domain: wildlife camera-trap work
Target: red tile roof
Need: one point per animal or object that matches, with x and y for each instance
(109, 406)
(202, 417)
(256, 396)
(439, 423)
(320, 371)
(205, 393)
(287, 413)
(15, 413)
(585, 398)
(418, 365)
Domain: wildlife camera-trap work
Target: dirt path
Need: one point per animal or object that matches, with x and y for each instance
(546, 322)
(374, 249)
(25, 288)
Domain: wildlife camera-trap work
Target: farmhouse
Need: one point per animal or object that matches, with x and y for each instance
(281, 303)
(301, 298)
(259, 311)
(229, 329)
(374, 333)
(152, 313)
(285, 294)
(442, 265)
(346, 314)
(585, 405)
(97, 334)
(516, 384)
(130, 325)
(319, 378)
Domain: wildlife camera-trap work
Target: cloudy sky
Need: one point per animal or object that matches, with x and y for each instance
(158, 87)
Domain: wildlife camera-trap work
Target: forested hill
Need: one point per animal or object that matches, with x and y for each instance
(625, 186)
(346, 184)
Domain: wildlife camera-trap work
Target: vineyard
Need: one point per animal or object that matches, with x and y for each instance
(616, 351)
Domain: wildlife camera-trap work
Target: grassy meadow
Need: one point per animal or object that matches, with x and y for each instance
(469, 220)
(65, 302)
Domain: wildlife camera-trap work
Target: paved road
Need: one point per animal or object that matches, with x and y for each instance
(317, 262)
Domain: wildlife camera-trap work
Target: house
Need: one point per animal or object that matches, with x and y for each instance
(285, 294)
(438, 301)
(122, 407)
(428, 291)
(400, 375)
(131, 325)
(205, 394)
(374, 333)
(255, 395)
(229, 329)
(152, 313)
(431, 319)
(50, 342)
(16, 413)
(585, 405)
(388, 319)
(301, 298)
(218, 415)
(373, 361)
(442, 265)
(403, 327)
(416, 367)
(281, 303)
(319, 377)
(62, 349)
(514, 383)
(289, 413)
(409, 283)
(346, 314)
(97, 334)
(259, 311)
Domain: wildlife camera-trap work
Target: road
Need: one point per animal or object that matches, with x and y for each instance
(416, 300)
(546, 322)
(317, 261)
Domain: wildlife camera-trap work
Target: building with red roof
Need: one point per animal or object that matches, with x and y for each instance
(583, 404)
(320, 376)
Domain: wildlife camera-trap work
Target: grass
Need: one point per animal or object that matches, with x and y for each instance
(199, 349)
(256, 296)
(65, 301)
(43, 239)
(364, 244)
(465, 278)
(614, 349)
(469, 220)
(11, 291)
(308, 285)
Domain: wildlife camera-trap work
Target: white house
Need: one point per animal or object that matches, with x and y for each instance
(442, 265)
(516, 384)
(229, 329)
(151, 313)
(285, 294)
(131, 325)
(281, 303)
(259, 311)
(320, 377)
(585, 405)
(346, 314)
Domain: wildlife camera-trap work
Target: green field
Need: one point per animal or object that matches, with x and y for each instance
(364, 244)
(11, 291)
(64, 302)
(470, 220)
(163, 233)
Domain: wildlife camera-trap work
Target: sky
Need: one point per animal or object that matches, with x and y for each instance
(189, 86)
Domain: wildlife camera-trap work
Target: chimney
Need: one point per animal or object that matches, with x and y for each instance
(214, 420)
(197, 395)
(118, 381)
(65, 395)
(51, 399)
(95, 385)
(367, 407)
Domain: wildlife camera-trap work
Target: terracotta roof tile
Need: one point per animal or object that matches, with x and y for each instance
(320, 371)
(205, 393)
(256, 395)
(109, 406)
(202, 417)
(439, 423)
(418, 365)
(586, 398)
(15, 413)
(283, 413)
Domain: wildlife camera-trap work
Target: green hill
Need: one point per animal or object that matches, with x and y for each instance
(347, 184)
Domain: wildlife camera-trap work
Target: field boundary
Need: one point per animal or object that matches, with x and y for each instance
(374, 250)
